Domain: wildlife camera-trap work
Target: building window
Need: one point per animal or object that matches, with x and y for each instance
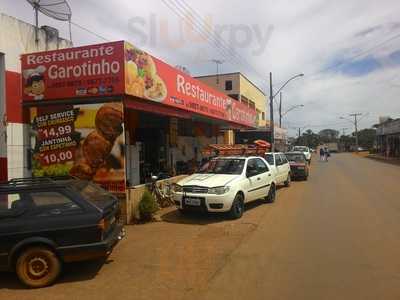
(263, 116)
(252, 104)
(228, 85)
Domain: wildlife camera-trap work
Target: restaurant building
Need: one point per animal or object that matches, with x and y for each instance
(114, 114)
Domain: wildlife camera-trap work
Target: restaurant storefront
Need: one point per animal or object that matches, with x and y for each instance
(114, 114)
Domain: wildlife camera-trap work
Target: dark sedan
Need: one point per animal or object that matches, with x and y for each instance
(299, 168)
(45, 223)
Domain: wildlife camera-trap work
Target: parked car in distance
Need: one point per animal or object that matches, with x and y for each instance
(280, 165)
(298, 165)
(224, 184)
(45, 223)
(305, 150)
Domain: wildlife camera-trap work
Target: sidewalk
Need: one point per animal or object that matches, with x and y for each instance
(389, 160)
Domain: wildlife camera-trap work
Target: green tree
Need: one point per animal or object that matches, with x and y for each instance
(309, 139)
(329, 135)
(366, 138)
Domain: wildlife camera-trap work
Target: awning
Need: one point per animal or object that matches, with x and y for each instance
(155, 108)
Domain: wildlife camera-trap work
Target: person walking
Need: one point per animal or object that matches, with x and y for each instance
(321, 154)
(327, 154)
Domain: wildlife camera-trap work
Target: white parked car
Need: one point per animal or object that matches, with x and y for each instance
(305, 150)
(281, 167)
(224, 184)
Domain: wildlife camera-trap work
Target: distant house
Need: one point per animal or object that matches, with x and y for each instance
(388, 137)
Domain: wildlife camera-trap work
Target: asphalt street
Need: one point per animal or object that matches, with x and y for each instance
(335, 236)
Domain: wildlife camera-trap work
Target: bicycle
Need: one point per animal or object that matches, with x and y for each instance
(162, 191)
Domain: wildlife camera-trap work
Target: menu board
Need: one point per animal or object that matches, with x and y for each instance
(56, 139)
(85, 141)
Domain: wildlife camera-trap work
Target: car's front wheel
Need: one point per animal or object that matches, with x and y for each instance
(38, 267)
(237, 208)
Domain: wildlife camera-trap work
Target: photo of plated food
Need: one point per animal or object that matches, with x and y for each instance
(141, 77)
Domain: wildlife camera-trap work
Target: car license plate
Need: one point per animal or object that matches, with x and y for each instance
(193, 201)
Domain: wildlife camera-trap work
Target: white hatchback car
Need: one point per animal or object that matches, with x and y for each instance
(224, 184)
(280, 165)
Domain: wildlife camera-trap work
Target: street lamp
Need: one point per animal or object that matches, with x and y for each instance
(271, 105)
(288, 110)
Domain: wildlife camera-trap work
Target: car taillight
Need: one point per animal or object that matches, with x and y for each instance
(103, 225)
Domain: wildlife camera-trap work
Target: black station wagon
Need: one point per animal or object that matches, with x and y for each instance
(45, 223)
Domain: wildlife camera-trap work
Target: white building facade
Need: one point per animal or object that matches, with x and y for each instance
(16, 38)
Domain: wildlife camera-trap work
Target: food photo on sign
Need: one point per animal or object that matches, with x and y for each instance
(85, 141)
(141, 75)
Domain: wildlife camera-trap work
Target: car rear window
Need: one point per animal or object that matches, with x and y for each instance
(301, 149)
(270, 158)
(295, 157)
(93, 193)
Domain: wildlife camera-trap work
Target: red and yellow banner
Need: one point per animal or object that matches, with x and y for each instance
(119, 68)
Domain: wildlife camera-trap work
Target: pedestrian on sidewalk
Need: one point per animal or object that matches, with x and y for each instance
(321, 154)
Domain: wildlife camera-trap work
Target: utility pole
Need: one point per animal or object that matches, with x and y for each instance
(217, 62)
(271, 113)
(356, 127)
(280, 109)
(299, 132)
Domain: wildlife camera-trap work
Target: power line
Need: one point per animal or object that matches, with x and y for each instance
(90, 31)
(220, 40)
(217, 43)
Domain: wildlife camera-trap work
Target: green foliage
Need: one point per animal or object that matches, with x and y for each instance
(366, 138)
(329, 135)
(147, 206)
(308, 138)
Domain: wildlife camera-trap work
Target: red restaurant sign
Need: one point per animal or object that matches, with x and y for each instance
(119, 68)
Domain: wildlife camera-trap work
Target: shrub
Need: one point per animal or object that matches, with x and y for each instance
(147, 206)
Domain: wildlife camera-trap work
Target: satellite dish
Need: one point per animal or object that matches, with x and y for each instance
(56, 9)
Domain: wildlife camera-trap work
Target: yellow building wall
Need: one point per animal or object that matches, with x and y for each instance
(248, 90)
(242, 86)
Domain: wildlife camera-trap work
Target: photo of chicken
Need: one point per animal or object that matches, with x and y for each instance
(94, 156)
(109, 120)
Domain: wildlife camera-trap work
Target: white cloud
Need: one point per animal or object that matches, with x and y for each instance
(307, 36)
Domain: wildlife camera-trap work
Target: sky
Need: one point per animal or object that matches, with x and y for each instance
(349, 50)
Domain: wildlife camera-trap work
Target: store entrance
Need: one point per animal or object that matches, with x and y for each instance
(153, 152)
(148, 146)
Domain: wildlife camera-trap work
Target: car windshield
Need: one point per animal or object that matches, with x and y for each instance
(301, 149)
(93, 193)
(269, 158)
(223, 166)
(295, 157)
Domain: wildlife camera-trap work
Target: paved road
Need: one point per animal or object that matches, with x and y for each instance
(336, 236)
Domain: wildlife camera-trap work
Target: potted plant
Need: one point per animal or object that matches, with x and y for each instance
(147, 206)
